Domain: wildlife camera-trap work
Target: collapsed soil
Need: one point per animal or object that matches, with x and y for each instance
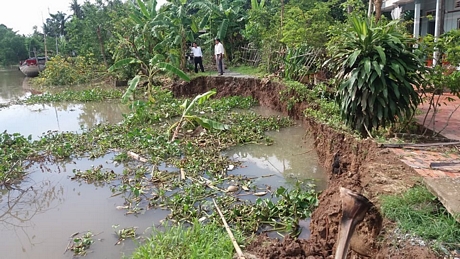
(364, 168)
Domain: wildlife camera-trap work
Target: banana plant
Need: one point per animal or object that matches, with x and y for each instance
(143, 48)
(224, 20)
(153, 68)
(195, 119)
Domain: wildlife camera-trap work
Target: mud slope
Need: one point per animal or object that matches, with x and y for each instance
(364, 168)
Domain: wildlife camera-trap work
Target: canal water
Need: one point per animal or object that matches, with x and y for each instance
(38, 215)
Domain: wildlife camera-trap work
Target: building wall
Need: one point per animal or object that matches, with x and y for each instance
(451, 17)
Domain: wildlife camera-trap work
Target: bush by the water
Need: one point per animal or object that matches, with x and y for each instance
(70, 71)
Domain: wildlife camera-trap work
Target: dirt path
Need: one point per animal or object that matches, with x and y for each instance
(365, 168)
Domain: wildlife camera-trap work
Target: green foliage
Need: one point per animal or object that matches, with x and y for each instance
(326, 111)
(418, 212)
(281, 213)
(183, 241)
(88, 95)
(377, 74)
(188, 117)
(95, 174)
(225, 20)
(444, 76)
(62, 71)
(80, 244)
(248, 70)
(294, 93)
(294, 27)
(12, 47)
(298, 62)
(14, 149)
(93, 29)
(145, 48)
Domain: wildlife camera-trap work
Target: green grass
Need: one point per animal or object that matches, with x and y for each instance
(197, 241)
(248, 70)
(418, 212)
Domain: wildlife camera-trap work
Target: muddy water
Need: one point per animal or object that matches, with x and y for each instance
(38, 215)
(11, 85)
(37, 119)
(292, 157)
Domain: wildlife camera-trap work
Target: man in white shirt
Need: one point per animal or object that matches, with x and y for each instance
(219, 53)
(197, 57)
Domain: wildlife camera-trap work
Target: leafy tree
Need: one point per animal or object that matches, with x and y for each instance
(12, 46)
(76, 9)
(225, 20)
(377, 73)
(92, 32)
(181, 27)
(143, 47)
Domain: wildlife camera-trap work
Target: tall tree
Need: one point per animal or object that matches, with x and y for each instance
(225, 20)
(12, 46)
(76, 9)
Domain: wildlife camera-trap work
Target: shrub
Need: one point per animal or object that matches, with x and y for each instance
(377, 73)
(70, 71)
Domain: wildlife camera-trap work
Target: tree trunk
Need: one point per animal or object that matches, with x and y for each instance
(183, 51)
(378, 9)
(101, 44)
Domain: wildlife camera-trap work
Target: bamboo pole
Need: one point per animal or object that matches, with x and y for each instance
(230, 234)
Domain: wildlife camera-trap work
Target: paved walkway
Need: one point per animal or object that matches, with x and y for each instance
(439, 166)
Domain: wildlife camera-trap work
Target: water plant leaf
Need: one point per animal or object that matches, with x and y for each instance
(210, 124)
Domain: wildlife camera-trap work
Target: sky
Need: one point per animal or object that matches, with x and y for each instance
(23, 15)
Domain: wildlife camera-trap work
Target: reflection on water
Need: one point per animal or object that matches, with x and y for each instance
(292, 157)
(38, 216)
(39, 118)
(11, 85)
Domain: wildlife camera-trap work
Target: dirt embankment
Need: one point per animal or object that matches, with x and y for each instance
(364, 168)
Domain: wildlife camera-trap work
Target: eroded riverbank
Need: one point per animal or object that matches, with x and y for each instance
(364, 168)
(68, 203)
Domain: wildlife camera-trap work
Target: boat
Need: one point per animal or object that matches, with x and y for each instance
(31, 67)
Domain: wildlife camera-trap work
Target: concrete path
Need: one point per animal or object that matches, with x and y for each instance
(444, 181)
(228, 73)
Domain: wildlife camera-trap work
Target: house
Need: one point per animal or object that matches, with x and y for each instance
(430, 16)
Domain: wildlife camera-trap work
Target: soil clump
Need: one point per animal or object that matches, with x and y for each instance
(358, 165)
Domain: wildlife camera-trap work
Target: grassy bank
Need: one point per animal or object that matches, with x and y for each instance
(419, 213)
(199, 241)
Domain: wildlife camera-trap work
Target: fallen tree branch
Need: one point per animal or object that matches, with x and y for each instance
(230, 234)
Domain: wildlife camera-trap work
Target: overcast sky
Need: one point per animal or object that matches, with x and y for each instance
(23, 15)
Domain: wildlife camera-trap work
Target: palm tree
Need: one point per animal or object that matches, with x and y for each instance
(76, 9)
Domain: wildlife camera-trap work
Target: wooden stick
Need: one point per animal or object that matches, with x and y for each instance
(136, 156)
(230, 234)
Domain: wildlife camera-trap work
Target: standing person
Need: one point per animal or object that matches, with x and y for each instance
(197, 57)
(219, 53)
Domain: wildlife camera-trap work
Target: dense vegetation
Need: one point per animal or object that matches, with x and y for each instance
(367, 67)
(292, 39)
